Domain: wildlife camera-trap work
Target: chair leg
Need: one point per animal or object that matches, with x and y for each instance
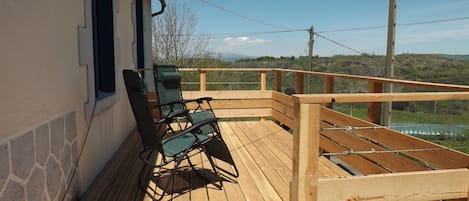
(214, 167)
(177, 162)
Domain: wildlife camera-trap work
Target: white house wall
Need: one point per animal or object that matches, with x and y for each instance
(46, 67)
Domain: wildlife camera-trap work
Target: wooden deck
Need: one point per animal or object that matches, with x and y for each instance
(262, 151)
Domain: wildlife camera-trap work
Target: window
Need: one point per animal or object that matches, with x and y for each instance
(103, 47)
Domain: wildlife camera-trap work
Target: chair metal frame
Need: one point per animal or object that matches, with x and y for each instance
(172, 149)
(168, 76)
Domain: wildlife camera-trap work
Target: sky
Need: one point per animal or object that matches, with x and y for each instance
(223, 18)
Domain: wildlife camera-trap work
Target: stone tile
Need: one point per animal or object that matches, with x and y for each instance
(13, 192)
(74, 153)
(36, 185)
(66, 159)
(57, 136)
(53, 178)
(70, 127)
(22, 155)
(4, 165)
(42, 144)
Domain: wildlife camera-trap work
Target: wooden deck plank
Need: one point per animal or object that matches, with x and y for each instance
(232, 190)
(262, 152)
(280, 186)
(246, 182)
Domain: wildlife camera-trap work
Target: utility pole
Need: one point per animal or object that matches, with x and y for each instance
(388, 88)
(311, 44)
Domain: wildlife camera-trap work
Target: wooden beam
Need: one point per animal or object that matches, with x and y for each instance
(422, 185)
(236, 113)
(328, 88)
(263, 80)
(284, 119)
(374, 108)
(300, 83)
(278, 81)
(203, 80)
(304, 185)
(381, 97)
(236, 104)
(384, 80)
(229, 94)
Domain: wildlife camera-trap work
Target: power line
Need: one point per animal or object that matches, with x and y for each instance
(338, 43)
(404, 24)
(243, 33)
(242, 16)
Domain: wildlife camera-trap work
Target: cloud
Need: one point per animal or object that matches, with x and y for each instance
(243, 41)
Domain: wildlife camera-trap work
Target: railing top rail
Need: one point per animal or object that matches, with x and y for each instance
(219, 69)
(383, 80)
(337, 75)
(379, 97)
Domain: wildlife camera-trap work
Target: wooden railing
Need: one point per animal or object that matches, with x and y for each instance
(308, 139)
(306, 115)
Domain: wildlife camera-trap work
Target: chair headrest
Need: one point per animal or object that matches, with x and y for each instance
(170, 77)
(133, 80)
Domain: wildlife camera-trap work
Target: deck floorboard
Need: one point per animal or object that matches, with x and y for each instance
(262, 152)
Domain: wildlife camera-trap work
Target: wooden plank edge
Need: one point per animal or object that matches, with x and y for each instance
(422, 185)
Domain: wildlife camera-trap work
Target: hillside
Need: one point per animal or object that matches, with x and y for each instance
(451, 69)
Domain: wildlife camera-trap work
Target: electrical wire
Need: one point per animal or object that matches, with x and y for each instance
(404, 24)
(242, 16)
(75, 168)
(339, 44)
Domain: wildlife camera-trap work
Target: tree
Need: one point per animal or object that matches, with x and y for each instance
(175, 40)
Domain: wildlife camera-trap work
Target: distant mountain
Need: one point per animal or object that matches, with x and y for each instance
(230, 56)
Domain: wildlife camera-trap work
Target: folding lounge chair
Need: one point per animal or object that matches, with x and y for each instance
(170, 102)
(173, 149)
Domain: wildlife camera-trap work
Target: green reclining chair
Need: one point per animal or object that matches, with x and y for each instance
(172, 149)
(170, 102)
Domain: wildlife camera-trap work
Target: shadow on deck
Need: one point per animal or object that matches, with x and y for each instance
(262, 151)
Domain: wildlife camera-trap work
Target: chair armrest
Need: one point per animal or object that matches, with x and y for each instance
(199, 100)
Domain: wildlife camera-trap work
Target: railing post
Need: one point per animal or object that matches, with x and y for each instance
(278, 81)
(329, 88)
(374, 109)
(300, 83)
(263, 80)
(203, 80)
(304, 185)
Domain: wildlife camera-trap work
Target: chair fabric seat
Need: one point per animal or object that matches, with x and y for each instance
(201, 115)
(174, 146)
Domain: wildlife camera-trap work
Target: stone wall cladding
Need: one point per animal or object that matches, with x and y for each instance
(38, 164)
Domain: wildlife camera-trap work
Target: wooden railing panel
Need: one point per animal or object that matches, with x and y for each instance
(391, 161)
(424, 185)
(236, 113)
(282, 118)
(284, 98)
(358, 162)
(444, 158)
(282, 108)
